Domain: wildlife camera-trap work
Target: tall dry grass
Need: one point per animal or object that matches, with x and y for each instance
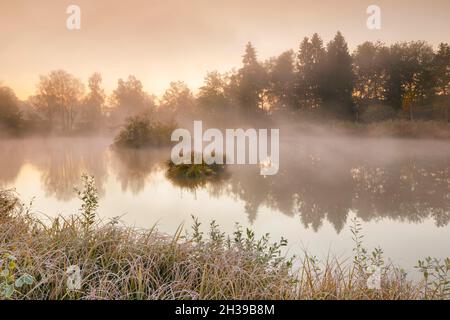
(118, 262)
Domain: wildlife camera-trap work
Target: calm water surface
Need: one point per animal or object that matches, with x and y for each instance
(399, 189)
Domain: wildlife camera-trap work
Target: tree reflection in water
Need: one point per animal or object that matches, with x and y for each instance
(319, 180)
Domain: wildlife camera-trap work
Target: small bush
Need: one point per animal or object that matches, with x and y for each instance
(140, 131)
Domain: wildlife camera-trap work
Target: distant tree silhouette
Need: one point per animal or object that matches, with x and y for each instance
(10, 116)
(93, 103)
(338, 77)
(374, 83)
(311, 67)
(58, 98)
(441, 64)
(410, 75)
(129, 99)
(212, 98)
(370, 68)
(178, 100)
(251, 81)
(282, 82)
(441, 73)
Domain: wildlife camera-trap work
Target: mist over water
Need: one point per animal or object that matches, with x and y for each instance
(399, 188)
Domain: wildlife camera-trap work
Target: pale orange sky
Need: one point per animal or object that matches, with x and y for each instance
(166, 40)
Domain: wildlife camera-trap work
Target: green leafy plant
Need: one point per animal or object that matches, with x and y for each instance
(360, 257)
(89, 196)
(365, 263)
(9, 283)
(436, 276)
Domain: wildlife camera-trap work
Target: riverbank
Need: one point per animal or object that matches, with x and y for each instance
(437, 130)
(119, 262)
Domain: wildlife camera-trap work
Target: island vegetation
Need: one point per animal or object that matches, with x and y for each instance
(194, 175)
(140, 132)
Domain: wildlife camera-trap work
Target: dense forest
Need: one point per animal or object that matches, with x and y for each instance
(375, 82)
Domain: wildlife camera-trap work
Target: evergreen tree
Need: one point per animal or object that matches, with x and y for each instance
(339, 78)
(310, 68)
(252, 80)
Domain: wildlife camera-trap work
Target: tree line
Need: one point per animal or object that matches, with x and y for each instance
(374, 82)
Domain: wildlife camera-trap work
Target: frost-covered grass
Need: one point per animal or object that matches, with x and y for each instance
(118, 262)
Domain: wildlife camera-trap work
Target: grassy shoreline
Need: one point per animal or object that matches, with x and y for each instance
(118, 262)
(397, 128)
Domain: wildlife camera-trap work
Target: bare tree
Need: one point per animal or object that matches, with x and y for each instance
(58, 96)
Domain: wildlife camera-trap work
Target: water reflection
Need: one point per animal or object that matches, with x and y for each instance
(62, 167)
(134, 168)
(12, 158)
(59, 161)
(319, 179)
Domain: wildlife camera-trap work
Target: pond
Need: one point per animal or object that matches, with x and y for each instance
(398, 189)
